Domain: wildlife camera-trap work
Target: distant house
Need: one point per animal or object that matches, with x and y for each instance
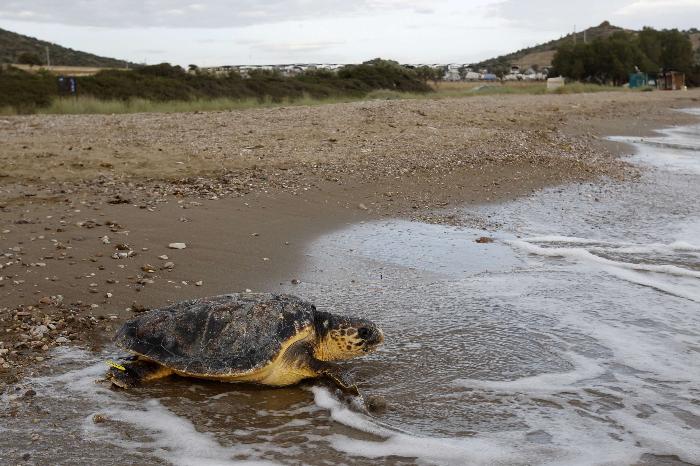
(472, 76)
(452, 73)
(555, 83)
(670, 81)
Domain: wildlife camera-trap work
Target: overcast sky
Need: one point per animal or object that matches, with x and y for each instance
(212, 32)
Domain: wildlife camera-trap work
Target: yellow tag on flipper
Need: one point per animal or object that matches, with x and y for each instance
(115, 365)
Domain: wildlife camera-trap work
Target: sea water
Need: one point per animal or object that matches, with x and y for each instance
(572, 338)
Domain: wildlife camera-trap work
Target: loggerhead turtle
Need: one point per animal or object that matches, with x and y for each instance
(266, 339)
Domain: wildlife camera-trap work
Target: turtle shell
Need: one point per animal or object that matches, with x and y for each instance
(221, 335)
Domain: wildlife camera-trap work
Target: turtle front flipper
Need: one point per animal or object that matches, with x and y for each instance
(131, 374)
(337, 375)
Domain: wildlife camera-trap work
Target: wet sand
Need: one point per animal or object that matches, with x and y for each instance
(246, 191)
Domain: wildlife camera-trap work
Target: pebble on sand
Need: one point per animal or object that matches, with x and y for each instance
(177, 245)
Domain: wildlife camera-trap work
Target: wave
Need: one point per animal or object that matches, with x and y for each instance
(585, 255)
(456, 451)
(583, 369)
(667, 278)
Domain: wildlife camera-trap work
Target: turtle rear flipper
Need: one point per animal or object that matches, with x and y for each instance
(134, 373)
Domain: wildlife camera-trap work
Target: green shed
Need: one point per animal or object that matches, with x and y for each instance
(638, 80)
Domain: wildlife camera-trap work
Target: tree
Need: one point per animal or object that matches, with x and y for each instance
(28, 58)
(612, 59)
(676, 51)
(427, 73)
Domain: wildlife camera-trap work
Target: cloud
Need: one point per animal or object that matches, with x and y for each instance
(292, 47)
(675, 14)
(545, 13)
(565, 15)
(645, 7)
(202, 14)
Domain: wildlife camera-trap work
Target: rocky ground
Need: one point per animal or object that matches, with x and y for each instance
(93, 208)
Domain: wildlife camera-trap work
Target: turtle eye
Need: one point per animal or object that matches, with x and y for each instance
(363, 332)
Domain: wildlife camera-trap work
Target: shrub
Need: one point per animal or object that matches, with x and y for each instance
(26, 91)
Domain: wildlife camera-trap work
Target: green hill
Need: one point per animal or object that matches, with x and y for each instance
(13, 44)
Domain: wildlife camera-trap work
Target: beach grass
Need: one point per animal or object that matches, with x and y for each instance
(90, 105)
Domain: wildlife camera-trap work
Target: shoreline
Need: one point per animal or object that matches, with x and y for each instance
(254, 236)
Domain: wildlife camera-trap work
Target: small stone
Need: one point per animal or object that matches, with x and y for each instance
(248, 290)
(199, 283)
(105, 239)
(484, 239)
(177, 245)
(163, 257)
(169, 265)
(39, 330)
(376, 404)
(362, 206)
(62, 340)
(148, 268)
(99, 418)
(295, 281)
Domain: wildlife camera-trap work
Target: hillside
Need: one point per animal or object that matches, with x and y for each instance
(542, 55)
(13, 44)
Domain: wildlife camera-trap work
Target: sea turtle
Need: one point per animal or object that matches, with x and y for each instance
(266, 339)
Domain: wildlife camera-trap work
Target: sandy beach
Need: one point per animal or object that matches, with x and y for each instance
(90, 204)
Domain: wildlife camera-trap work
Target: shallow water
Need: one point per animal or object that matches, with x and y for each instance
(573, 338)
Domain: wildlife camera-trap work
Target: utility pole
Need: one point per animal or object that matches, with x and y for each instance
(48, 57)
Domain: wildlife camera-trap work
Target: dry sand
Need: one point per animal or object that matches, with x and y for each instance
(246, 190)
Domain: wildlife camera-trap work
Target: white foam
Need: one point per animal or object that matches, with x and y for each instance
(584, 369)
(678, 281)
(565, 240)
(617, 246)
(156, 429)
(174, 438)
(584, 255)
(676, 150)
(474, 450)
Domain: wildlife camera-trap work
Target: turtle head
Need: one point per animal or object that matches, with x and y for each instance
(340, 337)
